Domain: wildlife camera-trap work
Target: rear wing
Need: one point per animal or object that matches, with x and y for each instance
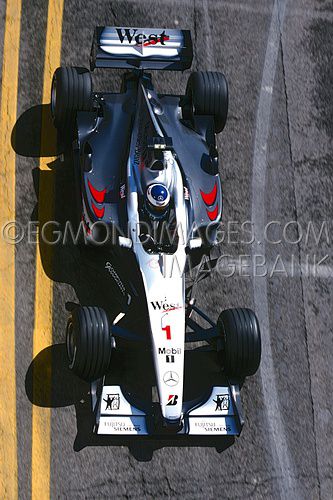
(141, 48)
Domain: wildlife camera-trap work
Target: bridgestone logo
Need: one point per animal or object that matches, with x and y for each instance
(163, 350)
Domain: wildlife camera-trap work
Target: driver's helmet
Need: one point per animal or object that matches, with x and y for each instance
(157, 200)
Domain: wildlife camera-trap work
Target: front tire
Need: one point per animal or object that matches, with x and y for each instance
(89, 342)
(241, 342)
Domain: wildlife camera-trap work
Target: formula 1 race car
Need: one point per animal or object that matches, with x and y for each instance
(149, 192)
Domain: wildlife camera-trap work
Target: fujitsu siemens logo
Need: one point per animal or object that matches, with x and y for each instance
(165, 305)
(132, 35)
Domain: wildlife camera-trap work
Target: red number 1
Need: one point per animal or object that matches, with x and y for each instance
(167, 330)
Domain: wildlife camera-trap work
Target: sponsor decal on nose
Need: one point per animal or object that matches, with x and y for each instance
(164, 305)
(171, 378)
(172, 400)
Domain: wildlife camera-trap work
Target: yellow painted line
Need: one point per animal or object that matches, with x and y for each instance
(42, 336)
(9, 86)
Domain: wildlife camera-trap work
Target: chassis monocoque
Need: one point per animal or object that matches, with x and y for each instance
(146, 169)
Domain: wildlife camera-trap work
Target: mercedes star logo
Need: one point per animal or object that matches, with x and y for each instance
(171, 378)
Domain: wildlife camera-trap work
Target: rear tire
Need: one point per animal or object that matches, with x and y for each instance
(241, 342)
(71, 91)
(89, 342)
(207, 94)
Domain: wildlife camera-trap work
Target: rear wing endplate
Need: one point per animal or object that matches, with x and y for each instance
(141, 48)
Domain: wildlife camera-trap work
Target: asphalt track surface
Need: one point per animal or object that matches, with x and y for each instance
(276, 165)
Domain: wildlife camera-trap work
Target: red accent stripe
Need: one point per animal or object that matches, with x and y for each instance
(212, 214)
(210, 198)
(154, 42)
(99, 212)
(171, 309)
(98, 195)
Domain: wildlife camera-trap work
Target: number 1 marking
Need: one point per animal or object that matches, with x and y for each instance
(167, 330)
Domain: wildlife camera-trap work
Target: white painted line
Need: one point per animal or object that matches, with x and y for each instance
(207, 35)
(284, 467)
(202, 32)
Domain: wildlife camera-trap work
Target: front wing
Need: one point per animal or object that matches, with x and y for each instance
(218, 414)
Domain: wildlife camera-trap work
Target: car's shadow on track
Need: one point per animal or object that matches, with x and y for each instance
(62, 259)
(49, 381)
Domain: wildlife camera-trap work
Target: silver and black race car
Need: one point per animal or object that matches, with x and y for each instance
(149, 192)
